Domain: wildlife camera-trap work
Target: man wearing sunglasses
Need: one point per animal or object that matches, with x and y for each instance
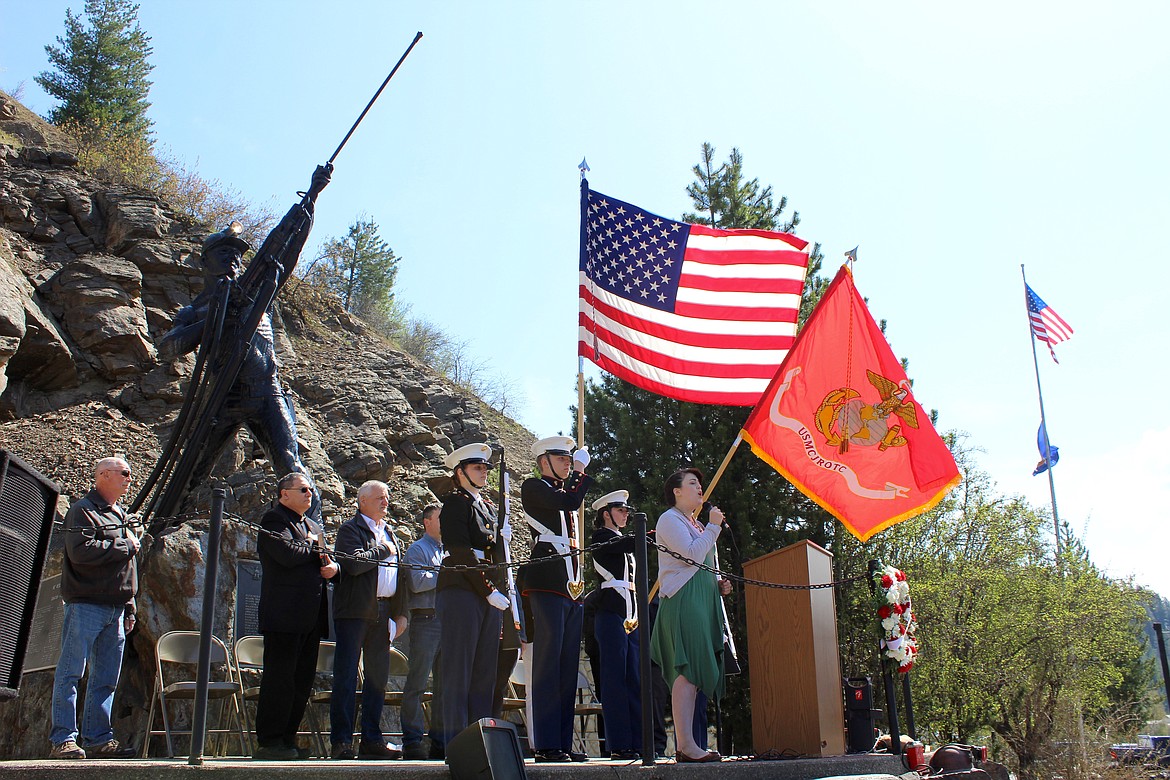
(293, 614)
(99, 578)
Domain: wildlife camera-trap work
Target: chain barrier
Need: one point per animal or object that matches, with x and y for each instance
(484, 567)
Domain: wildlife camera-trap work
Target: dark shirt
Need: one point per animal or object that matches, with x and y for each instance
(613, 558)
(292, 590)
(545, 499)
(99, 566)
(465, 527)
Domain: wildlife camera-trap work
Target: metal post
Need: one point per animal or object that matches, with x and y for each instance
(203, 676)
(1162, 658)
(888, 682)
(910, 728)
(642, 585)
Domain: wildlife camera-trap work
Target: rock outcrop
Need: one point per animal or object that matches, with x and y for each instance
(91, 276)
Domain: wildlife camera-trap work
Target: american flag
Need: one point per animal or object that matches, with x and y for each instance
(686, 311)
(1047, 325)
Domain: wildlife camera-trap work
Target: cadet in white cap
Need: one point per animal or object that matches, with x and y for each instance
(554, 590)
(469, 603)
(615, 627)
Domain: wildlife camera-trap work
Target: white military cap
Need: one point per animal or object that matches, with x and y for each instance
(616, 498)
(554, 445)
(469, 453)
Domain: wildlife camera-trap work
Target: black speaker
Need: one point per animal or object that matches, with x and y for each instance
(488, 749)
(28, 502)
(859, 714)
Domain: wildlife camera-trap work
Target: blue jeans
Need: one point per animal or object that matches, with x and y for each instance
(93, 634)
(354, 636)
(556, 654)
(423, 636)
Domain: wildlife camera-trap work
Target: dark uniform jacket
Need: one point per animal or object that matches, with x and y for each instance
(99, 566)
(613, 558)
(292, 590)
(544, 499)
(355, 590)
(464, 529)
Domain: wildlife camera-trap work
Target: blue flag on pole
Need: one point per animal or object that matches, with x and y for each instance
(1049, 454)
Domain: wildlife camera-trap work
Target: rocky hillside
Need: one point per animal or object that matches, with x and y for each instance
(91, 277)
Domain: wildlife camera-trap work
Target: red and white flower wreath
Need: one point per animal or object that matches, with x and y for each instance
(896, 613)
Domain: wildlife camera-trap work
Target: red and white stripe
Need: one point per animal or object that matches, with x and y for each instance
(734, 319)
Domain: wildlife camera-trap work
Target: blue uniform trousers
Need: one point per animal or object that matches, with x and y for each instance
(619, 687)
(556, 651)
(470, 644)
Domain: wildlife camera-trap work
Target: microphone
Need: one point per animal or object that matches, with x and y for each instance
(707, 505)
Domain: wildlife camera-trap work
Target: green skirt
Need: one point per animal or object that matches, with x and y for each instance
(688, 635)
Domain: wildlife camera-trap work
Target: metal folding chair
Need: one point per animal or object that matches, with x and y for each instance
(182, 648)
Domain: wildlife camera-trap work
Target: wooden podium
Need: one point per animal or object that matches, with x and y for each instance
(795, 667)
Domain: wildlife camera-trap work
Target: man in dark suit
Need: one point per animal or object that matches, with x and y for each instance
(293, 612)
(369, 610)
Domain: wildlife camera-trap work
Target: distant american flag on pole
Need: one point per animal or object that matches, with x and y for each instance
(1047, 325)
(686, 311)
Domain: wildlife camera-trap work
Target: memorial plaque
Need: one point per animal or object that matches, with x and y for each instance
(44, 639)
(248, 575)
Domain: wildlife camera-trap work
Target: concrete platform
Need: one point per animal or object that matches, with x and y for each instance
(858, 767)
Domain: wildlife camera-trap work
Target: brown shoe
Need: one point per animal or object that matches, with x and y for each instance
(682, 758)
(110, 749)
(67, 749)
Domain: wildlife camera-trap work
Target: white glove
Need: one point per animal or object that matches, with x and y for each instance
(498, 600)
(581, 458)
(393, 629)
(506, 531)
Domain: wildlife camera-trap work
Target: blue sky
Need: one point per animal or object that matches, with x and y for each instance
(952, 143)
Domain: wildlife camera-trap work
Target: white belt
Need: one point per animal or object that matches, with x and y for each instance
(622, 584)
(559, 542)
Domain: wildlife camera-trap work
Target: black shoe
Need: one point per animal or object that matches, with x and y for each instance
(578, 757)
(341, 751)
(625, 755)
(275, 753)
(415, 751)
(438, 753)
(552, 757)
(377, 751)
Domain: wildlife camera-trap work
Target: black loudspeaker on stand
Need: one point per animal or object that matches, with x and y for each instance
(488, 749)
(859, 714)
(28, 502)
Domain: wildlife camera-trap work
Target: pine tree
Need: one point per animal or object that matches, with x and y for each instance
(101, 75)
(360, 268)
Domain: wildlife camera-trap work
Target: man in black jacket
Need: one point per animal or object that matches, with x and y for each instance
(293, 616)
(99, 578)
(369, 610)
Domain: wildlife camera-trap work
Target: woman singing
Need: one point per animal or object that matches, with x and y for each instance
(688, 636)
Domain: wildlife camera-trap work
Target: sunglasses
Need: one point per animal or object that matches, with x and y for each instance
(302, 488)
(124, 473)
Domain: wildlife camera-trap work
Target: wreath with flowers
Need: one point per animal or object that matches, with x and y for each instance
(896, 613)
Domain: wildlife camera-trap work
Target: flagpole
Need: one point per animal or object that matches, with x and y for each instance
(1043, 420)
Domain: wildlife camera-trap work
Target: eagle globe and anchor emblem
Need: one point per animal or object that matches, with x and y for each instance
(845, 418)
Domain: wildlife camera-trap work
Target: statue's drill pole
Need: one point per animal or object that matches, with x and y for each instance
(417, 37)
